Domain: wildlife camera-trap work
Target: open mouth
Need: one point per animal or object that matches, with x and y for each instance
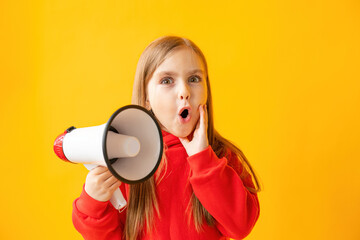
(184, 113)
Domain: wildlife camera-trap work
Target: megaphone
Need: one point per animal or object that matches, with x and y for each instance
(130, 145)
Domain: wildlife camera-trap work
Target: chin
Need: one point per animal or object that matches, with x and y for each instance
(182, 133)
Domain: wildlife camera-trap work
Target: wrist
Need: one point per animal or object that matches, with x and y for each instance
(90, 206)
(204, 160)
(198, 150)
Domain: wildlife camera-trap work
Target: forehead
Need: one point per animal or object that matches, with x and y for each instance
(181, 60)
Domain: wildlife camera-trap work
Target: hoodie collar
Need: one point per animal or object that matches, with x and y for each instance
(169, 139)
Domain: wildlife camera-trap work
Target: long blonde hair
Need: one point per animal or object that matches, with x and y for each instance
(142, 197)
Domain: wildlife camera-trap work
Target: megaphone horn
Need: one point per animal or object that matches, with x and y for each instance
(130, 144)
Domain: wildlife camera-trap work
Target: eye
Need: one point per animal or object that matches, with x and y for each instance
(166, 80)
(194, 79)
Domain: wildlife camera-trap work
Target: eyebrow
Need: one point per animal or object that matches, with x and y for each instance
(174, 74)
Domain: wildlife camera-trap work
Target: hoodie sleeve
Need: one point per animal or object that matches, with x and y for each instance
(218, 186)
(97, 220)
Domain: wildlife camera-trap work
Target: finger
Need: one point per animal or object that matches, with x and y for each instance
(198, 123)
(110, 181)
(115, 185)
(98, 170)
(105, 176)
(202, 117)
(206, 116)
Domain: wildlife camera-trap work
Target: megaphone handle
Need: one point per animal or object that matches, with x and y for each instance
(117, 199)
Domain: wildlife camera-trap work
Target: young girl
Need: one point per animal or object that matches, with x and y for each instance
(203, 188)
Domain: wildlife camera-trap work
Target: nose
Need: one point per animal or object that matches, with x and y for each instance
(184, 92)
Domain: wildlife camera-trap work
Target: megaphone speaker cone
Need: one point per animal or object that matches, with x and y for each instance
(144, 146)
(130, 144)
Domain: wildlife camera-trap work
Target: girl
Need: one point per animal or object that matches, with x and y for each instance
(203, 188)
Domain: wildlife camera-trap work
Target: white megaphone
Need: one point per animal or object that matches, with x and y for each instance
(130, 145)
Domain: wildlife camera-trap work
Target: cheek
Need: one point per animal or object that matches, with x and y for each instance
(158, 105)
(161, 104)
(204, 99)
(201, 95)
(152, 94)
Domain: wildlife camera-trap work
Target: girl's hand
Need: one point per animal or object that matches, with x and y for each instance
(199, 141)
(100, 184)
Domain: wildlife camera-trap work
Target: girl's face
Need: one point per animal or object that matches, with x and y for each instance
(176, 90)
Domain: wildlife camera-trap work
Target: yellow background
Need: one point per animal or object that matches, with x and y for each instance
(286, 85)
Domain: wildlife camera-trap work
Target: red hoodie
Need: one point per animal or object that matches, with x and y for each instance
(215, 182)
